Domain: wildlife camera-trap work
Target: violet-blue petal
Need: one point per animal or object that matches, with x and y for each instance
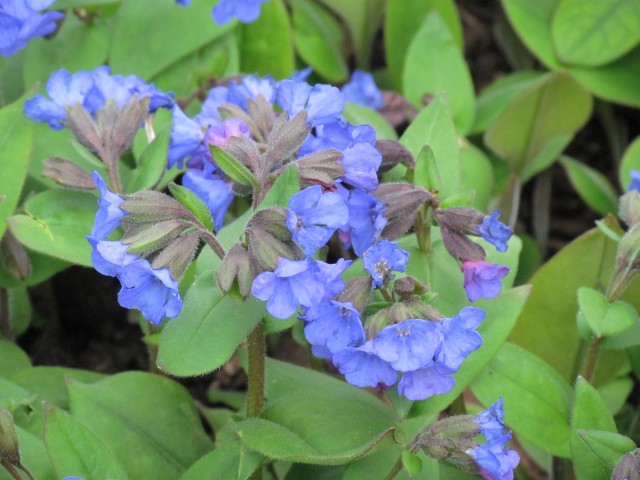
(635, 181)
(366, 220)
(250, 87)
(482, 279)
(381, 259)
(324, 103)
(460, 337)
(494, 231)
(335, 325)
(362, 367)
(246, 11)
(21, 20)
(108, 257)
(362, 89)
(495, 461)
(109, 212)
(185, 140)
(409, 345)
(490, 421)
(426, 382)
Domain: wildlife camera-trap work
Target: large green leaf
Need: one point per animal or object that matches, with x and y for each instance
(402, 22)
(435, 64)
(592, 186)
(55, 224)
(589, 413)
(434, 127)
(608, 447)
(319, 40)
(148, 421)
(502, 313)
(266, 45)
(14, 359)
(232, 460)
(544, 115)
(476, 173)
(75, 450)
(144, 42)
(536, 397)
(16, 142)
(79, 45)
(594, 32)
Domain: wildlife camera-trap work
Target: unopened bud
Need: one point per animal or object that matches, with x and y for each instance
(628, 467)
(67, 173)
(268, 239)
(393, 153)
(627, 263)
(358, 292)
(463, 220)
(14, 256)
(407, 287)
(397, 109)
(377, 322)
(629, 207)
(9, 451)
(402, 201)
(459, 246)
(320, 168)
(234, 275)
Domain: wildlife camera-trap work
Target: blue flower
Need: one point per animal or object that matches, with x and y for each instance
(109, 214)
(20, 21)
(381, 259)
(212, 189)
(495, 461)
(635, 181)
(152, 291)
(185, 141)
(323, 103)
(460, 337)
(246, 11)
(251, 87)
(362, 367)
(298, 282)
(425, 382)
(313, 216)
(494, 231)
(409, 345)
(184, 3)
(366, 220)
(482, 279)
(334, 325)
(362, 89)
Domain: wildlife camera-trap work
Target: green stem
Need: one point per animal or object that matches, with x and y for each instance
(397, 468)
(5, 320)
(11, 469)
(591, 360)
(152, 351)
(255, 387)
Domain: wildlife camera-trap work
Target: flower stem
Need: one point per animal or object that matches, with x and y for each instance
(397, 468)
(255, 387)
(591, 360)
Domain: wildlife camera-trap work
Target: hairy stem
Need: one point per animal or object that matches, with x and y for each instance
(591, 360)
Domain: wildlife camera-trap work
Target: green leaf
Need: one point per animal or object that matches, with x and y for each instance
(402, 22)
(411, 462)
(594, 32)
(608, 447)
(426, 174)
(148, 421)
(592, 186)
(266, 45)
(13, 359)
(56, 223)
(626, 339)
(615, 81)
(16, 142)
(232, 460)
(615, 393)
(151, 165)
(285, 186)
(193, 203)
(144, 42)
(232, 167)
(498, 95)
(502, 313)
(434, 127)
(363, 19)
(49, 383)
(589, 413)
(319, 40)
(603, 317)
(383, 460)
(79, 45)
(476, 174)
(532, 23)
(75, 450)
(439, 68)
(630, 161)
(536, 397)
(551, 110)
(207, 331)
(361, 115)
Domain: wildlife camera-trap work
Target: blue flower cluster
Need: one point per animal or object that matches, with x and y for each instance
(494, 460)
(246, 11)
(151, 291)
(21, 20)
(91, 90)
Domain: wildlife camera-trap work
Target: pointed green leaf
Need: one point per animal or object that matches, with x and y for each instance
(608, 447)
(193, 203)
(75, 450)
(592, 186)
(603, 317)
(151, 165)
(439, 68)
(594, 32)
(148, 421)
(13, 359)
(232, 460)
(232, 167)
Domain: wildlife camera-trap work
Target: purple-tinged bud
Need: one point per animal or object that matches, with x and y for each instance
(14, 256)
(357, 292)
(482, 279)
(320, 168)
(408, 287)
(66, 173)
(402, 201)
(393, 153)
(629, 207)
(9, 448)
(397, 110)
(234, 274)
(462, 220)
(628, 468)
(627, 263)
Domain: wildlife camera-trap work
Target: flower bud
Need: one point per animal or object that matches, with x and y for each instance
(9, 451)
(67, 173)
(627, 263)
(629, 207)
(234, 275)
(321, 167)
(358, 292)
(402, 201)
(408, 287)
(393, 153)
(459, 246)
(628, 467)
(14, 256)
(463, 220)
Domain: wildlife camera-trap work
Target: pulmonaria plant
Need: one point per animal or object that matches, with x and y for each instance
(22, 20)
